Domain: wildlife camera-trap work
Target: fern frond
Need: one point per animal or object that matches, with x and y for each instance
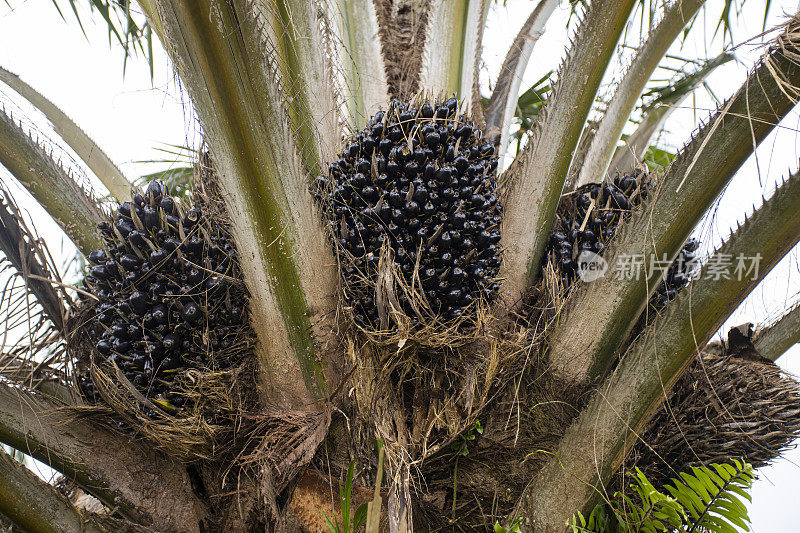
(708, 500)
(712, 496)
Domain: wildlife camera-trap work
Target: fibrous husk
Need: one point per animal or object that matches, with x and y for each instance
(724, 407)
(424, 396)
(216, 400)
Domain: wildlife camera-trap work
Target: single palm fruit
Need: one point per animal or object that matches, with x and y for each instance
(421, 179)
(164, 303)
(587, 221)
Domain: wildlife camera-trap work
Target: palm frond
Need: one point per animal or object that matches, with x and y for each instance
(537, 177)
(686, 190)
(618, 410)
(661, 102)
(630, 87)
(67, 201)
(91, 154)
(707, 499)
(291, 273)
(34, 306)
(124, 26)
(529, 106)
(502, 105)
(777, 338)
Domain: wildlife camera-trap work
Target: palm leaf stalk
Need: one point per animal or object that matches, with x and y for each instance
(239, 102)
(656, 113)
(777, 338)
(448, 60)
(76, 213)
(43, 509)
(91, 154)
(120, 472)
(502, 106)
(538, 175)
(690, 185)
(622, 103)
(275, 84)
(360, 52)
(304, 73)
(615, 415)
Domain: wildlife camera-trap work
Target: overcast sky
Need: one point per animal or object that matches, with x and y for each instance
(132, 117)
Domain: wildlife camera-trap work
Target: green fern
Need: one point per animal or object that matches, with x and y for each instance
(713, 498)
(709, 500)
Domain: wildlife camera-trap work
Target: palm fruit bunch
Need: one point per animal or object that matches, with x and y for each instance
(420, 179)
(167, 297)
(587, 220)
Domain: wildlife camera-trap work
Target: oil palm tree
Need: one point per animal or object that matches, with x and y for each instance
(553, 385)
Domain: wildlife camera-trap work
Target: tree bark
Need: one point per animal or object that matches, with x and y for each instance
(36, 506)
(128, 476)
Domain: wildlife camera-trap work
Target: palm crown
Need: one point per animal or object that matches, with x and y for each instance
(366, 271)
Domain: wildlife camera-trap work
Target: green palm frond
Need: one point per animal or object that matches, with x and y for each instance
(71, 205)
(91, 154)
(128, 28)
(776, 339)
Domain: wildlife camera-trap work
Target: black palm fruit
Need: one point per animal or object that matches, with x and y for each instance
(421, 179)
(164, 295)
(677, 276)
(588, 219)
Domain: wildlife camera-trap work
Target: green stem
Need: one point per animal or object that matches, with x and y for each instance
(287, 262)
(36, 506)
(91, 154)
(778, 338)
(446, 67)
(300, 59)
(537, 177)
(366, 86)
(619, 109)
(585, 344)
(127, 476)
(596, 443)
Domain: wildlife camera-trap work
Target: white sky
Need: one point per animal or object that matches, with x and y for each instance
(132, 116)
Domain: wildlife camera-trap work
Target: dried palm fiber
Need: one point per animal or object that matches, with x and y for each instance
(727, 405)
(166, 338)
(521, 421)
(35, 305)
(421, 404)
(402, 33)
(519, 429)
